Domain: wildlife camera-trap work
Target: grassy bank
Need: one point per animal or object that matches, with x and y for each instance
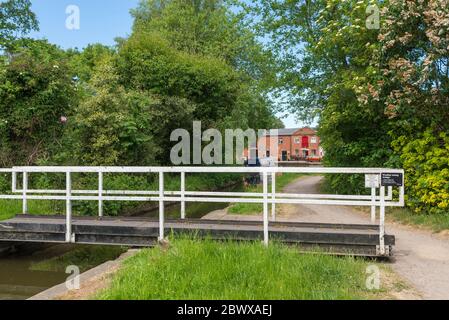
(434, 222)
(255, 208)
(192, 269)
(10, 208)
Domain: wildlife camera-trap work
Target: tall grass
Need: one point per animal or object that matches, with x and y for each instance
(205, 269)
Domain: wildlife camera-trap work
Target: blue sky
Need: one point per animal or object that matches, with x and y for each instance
(100, 21)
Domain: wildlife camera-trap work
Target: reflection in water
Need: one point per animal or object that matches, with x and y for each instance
(17, 281)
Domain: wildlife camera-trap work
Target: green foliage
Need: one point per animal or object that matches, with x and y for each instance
(376, 92)
(325, 52)
(36, 89)
(16, 18)
(210, 28)
(426, 162)
(5, 183)
(111, 182)
(147, 62)
(85, 62)
(200, 182)
(184, 61)
(233, 270)
(108, 129)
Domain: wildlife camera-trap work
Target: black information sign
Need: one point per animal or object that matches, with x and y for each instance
(391, 180)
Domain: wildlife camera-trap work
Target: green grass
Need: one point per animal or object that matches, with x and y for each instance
(256, 208)
(10, 208)
(194, 269)
(435, 222)
(84, 257)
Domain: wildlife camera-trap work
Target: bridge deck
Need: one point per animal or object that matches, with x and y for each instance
(337, 238)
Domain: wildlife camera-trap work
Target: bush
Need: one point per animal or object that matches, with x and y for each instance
(110, 182)
(197, 182)
(426, 163)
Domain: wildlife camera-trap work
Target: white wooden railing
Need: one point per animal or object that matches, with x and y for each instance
(376, 199)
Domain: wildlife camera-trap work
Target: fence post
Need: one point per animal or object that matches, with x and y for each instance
(373, 206)
(161, 206)
(183, 194)
(68, 182)
(273, 195)
(265, 208)
(100, 194)
(14, 182)
(382, 221)
(24, 193)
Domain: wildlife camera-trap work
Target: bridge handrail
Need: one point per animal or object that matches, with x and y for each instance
(266, 198)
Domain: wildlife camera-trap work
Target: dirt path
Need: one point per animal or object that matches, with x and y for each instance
(420, 257)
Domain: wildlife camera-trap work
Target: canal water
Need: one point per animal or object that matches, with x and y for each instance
(19, 279)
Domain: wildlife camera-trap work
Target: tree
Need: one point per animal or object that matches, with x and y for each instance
(16, 18)
(36, 90)
(207, 27)
(83, 63)
(228, 66)
(413, 88)
(147, 62)
(414, 82)
(326, 51)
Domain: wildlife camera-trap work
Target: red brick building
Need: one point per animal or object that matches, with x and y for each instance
(301, 144)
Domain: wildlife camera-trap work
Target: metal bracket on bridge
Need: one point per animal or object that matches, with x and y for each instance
(71, 238)
(383, 251)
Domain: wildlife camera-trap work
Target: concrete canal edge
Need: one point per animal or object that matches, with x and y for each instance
(90, 281)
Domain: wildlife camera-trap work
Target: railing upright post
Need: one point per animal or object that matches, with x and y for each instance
(161, 206)
(265, 208)
(24, 193)
(14, 182)
(382, 222)
(273, 195)
(68, 234)
(373, 206)
(100, 194)
(183, 194)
